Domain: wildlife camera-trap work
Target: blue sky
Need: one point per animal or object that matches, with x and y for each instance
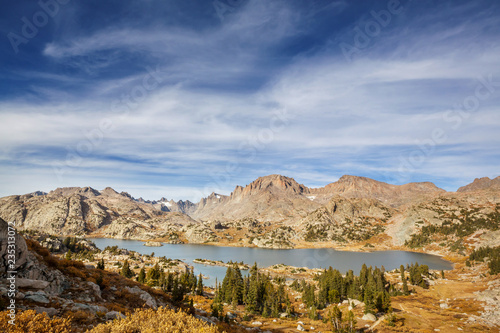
(182, 98)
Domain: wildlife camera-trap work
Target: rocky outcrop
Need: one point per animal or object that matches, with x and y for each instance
(491, 299)
(43, 286)
(280, 238)
(450, 208)
(199, 234)
(31, 273)
(149, 301)
(345, 220)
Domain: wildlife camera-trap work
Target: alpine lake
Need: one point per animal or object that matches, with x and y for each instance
(310, 258)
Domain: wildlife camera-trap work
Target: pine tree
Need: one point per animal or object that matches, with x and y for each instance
(177, 291)
(336, 319)
(234, 299)
(313, 312)
(66, 241)
(153, 275)
(351, 322)
(72, 243)
(252, 297)
(199, 287)
(405, 287)
(126, 271)
(369, 301)
(169, 282)
(288, 307)
(403, 278)
(100, 264)
(192, 281)
(142, 276)
(385, 303)
(162, 280)
(363, 275)
(333, 296)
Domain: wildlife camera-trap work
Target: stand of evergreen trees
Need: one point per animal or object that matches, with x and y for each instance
(177, 284)
(263, 296)
(257, 292)
(493, 254)
(417, 274)
(371, 287)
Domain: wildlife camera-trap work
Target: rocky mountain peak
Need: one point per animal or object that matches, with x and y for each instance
(109, 192)
(215, 196)
(68, 191)
(363, 187)
(125, 194)
(273, 183)
(479, 184)
(348, 183)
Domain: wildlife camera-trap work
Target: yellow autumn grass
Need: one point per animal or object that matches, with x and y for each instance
(31, 322)
(153, 321)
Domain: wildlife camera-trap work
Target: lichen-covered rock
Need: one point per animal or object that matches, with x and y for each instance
(145, 296)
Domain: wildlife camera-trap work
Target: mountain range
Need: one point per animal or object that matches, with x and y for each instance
(273, 211)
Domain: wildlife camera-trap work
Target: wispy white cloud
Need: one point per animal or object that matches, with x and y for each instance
(358, 117)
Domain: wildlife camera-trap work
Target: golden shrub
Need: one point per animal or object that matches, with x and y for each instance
(151, 321)
(32, 322)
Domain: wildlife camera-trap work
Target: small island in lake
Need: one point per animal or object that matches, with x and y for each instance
(230, 263)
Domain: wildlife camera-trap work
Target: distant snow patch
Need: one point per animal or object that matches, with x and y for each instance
(166, 203)
(311, 197)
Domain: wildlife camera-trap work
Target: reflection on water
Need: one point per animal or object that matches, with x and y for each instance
(311, 258)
